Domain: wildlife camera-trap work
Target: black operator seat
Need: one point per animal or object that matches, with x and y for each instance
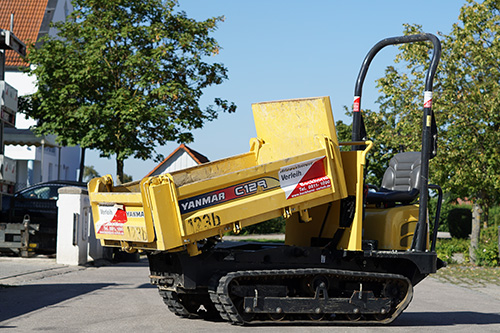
(400, 183)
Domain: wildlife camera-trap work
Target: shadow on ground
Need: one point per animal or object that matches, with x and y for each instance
(410, 319)
(447, 318)
(17, 301)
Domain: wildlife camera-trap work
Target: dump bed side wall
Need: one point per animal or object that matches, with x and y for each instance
(214, 169)
(294, 166)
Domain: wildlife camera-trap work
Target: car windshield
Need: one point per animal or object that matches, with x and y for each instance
(42, 192)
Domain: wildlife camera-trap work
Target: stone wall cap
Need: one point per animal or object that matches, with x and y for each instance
(72, 190)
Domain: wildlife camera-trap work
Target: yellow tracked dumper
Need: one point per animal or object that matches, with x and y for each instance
(351, 255)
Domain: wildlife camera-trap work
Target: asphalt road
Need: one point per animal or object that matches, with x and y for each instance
(118, 298)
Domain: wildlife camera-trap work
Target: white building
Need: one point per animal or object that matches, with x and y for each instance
(39, 159)
(181, 158)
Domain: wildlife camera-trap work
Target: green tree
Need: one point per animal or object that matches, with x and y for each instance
(466, 103)
(89, 172)
(124, 76)
(378, 157)
(127, 178)
(472, 90)
(344, 132)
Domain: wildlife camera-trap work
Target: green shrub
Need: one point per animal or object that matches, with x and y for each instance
(443, 226)
(447, 205)
(486, 254)
(273, 226)
(494, 216)
(460, 222)
(487, 251)
(446, 248)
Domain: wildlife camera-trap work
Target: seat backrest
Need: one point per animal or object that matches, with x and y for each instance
(403, 173)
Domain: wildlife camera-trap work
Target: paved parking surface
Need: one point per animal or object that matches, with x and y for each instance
(119, 298)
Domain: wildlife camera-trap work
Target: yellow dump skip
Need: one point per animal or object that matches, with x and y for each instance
(293, 127)
(294, 164)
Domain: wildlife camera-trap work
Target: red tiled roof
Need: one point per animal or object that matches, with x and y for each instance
(28, 17)
(199, 158)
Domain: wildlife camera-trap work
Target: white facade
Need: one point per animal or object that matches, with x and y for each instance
(33, 164)
(34, 167)
(178, 161)
(76, 241)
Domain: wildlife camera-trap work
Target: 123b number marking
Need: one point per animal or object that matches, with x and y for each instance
(204, 222)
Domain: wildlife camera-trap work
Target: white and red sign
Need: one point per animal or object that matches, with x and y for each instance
(427, 99)
(357, 102)
(111, 220)
(303, 178)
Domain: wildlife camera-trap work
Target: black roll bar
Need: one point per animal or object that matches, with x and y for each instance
(429, 128)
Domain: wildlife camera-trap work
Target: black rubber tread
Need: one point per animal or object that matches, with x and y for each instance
(174, 305)
(188, 305)
(214, 297)
(228, 311)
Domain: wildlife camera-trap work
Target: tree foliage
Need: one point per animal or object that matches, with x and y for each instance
(124, 76)
(90, 172)
(466, 103)
(378, 157)
(471, 98)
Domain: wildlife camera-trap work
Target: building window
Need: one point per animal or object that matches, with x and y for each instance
(51, 171)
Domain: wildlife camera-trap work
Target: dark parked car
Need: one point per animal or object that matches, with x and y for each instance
(40, 203)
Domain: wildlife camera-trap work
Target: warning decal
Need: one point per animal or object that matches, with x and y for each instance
(303, 178)
(427, 99)
(355, 105)
(111, 220)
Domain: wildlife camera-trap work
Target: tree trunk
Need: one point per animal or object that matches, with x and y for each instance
(476, 228)
(82, 164)
(119, 172)
(485, 216)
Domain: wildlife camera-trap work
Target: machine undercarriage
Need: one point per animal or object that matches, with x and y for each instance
(256, 282)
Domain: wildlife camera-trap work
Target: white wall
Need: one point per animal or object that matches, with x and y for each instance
(76, 241)
(25, 84)
(70, 156)
(70, 162)
(20, 152)
(180, 160)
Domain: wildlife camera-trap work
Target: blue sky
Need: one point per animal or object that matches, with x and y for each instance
(292, 49)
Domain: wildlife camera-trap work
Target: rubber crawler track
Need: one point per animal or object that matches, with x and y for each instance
(174, 305)
(223, 302)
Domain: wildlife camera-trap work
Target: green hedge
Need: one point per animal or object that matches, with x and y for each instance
(274, 226)
(494, 216)
(460, 222)
(446, 248)
(487, 252)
